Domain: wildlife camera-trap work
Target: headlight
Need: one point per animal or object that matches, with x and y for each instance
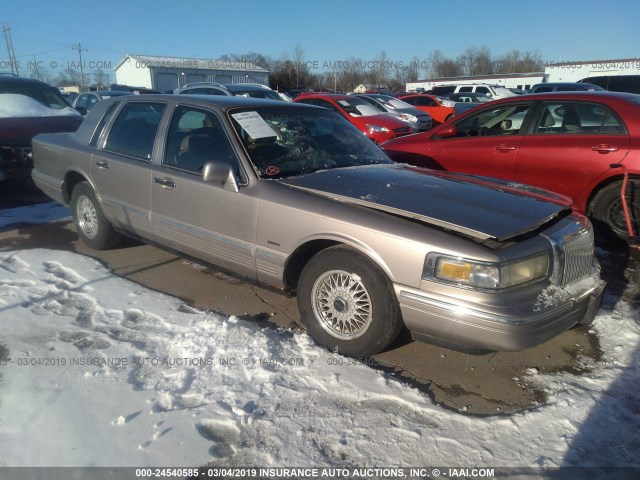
(463, 272)
(409, 118)
(377, 128)
(448, 103)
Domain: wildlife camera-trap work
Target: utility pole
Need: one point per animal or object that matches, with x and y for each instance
(6, 29)
(80, 49)
(35, 67)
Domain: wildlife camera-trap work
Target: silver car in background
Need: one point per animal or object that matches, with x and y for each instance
(295, 197)
(418, 120)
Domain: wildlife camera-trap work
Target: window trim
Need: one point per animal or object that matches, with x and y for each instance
(531, 129)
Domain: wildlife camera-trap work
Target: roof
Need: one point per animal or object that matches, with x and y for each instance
(222, 101)
(615, 62)
(479, 78)
(190, 63)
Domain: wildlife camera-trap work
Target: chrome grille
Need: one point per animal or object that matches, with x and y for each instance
(578, 257)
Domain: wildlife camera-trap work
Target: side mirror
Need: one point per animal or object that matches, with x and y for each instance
(220, 172)
(81, 110)
(447, 132)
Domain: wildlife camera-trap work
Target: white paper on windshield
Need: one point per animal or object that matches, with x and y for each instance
(254, 125)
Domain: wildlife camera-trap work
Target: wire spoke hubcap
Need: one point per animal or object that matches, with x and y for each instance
(87, 217)
(341, 304)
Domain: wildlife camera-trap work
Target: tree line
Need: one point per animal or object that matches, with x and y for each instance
(294, 70)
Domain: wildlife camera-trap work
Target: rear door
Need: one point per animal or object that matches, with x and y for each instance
(570, 145)
(120, 170)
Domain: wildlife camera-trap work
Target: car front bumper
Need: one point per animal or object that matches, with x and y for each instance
(463, 326)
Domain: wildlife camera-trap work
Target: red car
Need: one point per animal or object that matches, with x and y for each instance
(570, 142)
(439, 108)
(366, 118)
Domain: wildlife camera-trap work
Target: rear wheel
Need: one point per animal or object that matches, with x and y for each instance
(347, 303)
(607, 211)
(91, 224)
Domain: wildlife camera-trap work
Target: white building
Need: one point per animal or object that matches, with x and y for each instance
(553, 72)
(167, 73)
(574, 71)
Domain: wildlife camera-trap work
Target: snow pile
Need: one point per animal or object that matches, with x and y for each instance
(120, 375)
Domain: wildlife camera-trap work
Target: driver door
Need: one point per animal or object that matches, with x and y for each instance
(200, 218)
(486, 143)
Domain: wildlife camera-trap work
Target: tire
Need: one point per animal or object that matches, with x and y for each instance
(91, 224)
(347, 303)
(607, 213)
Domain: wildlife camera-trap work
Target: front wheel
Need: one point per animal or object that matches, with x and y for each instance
(607, 211)
(347, 303)
(91, 224)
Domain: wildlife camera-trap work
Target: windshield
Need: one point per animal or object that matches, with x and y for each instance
(357, 107)
(43, 94)
(286, 142)
(268, 94)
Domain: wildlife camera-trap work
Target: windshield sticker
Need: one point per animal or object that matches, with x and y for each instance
(254, 125)
(272, 170)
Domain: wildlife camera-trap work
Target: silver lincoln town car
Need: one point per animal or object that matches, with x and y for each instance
(295, 197)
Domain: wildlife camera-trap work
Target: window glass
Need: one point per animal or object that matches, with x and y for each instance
(578, 118)
(196, 137)
(482, 90)
(505, 120)
(134, 131)
(466, 89)
(82, 101)
(103, 121)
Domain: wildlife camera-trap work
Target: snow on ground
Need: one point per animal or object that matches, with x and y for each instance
(34, 214)
(104, 372)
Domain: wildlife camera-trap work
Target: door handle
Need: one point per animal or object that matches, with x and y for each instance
(165, 182)
(102, 165)
(604, 148)
(506, 148)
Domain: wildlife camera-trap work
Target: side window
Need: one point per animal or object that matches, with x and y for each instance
(426, 102)
(410, 100)
(103, 121)
(82, 101)
(196, 137)
(466, 89)
(578, 118)
(325, 104)
(543, 89)
(92, 102)
(134, 131)
(506, 120)
(482, 90)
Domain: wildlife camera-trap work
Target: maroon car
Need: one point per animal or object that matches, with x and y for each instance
(572, 143)
(29, 107)
(378, 127)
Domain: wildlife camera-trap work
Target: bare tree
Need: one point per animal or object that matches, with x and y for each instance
(100, 78)
(476, 61)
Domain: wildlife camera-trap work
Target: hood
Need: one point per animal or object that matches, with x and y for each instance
(475, 206)
(20, 131)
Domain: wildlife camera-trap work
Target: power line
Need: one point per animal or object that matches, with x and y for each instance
(80, 49)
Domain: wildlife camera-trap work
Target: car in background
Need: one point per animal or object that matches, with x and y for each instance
(438, 108)
(570, 143)
(467, 101)
(69, 96)
(378, 126)
(84, 102)
(136, 90)
(615, 83)
(253, 90)
(494, 91)
(29, 107)
(418, 120)
(565, 87)
(203, 88)
(295, 197)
